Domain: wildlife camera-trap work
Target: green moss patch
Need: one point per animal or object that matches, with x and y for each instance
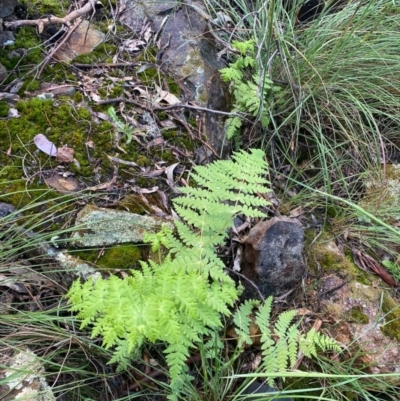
(122, 257)
(23, 168)
(392, 310)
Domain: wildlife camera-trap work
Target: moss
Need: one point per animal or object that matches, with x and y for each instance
(150, 76)
(103, 53)
(392, 318)
(78, 97)
(134, 204)
(37, 8)
(122, 257)
(59, 73)
(116, 91)
(30, 86)
(63, 125)
(325, 255)
(26, 38)
(4, 107)
(356, 315)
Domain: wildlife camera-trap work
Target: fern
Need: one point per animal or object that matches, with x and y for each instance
(249, 94)
(184, 297)
(279, 354)
(242, 321)
(121, 126)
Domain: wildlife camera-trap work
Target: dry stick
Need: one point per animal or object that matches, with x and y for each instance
(250, 282)
(171, 107)
(189, 130)
(109, 65)
(51, 20)
(64, 39)
(175, 106)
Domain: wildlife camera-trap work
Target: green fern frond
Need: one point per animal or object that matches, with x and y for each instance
(293, 336)
(232, 126)
(244, 46)
(283, 322)
(184, 297)
(242, 321)
(251, 90)
(279, 352)
(231, 74)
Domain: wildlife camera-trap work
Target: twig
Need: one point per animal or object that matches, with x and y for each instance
(51, 20)
(170, 107)
(109, 65)
(250, 282)
(64, 39)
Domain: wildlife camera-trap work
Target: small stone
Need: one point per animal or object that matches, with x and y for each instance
(83, 40)
(6, 38)
(3, 72)
(273, 256)
(7, 7)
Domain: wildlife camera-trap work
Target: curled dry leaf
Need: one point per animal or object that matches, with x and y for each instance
(12, 113)
(65, 155)
(62, 185)
(166, 96)
(170, 172)
(46, 146)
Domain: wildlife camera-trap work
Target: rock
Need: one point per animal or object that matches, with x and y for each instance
(6, 38)
(83, 40)
(3, 73)
(188, 53)
(22, 378)
(70, 269)
(106, 226)
(7, 7)
(258, 389)
(365, 316)
(273, 256)
(6, 209)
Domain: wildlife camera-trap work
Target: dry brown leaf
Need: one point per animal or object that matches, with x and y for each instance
(166, 96)
(144, 190)
(62, 185)
(170, 172)
(65, 155)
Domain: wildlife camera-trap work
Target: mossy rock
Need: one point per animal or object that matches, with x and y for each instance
(392, 318)
(122, 257)
(324, 257)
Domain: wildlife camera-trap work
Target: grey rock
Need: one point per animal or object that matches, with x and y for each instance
(6, 209)
(187, 53)
(3, 73)
(102, 227)
(6, 38)
(273, 256)
(7, 7)
(258, 389)
(23, 378)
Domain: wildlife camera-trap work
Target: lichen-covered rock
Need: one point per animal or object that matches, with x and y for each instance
(273, 256)
(367, 318)
(99, 227)
(22, 378)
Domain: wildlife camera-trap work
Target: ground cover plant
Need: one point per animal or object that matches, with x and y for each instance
(319, 95)
(334, 121)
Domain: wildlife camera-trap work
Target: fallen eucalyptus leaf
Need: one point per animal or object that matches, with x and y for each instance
(46, 146)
